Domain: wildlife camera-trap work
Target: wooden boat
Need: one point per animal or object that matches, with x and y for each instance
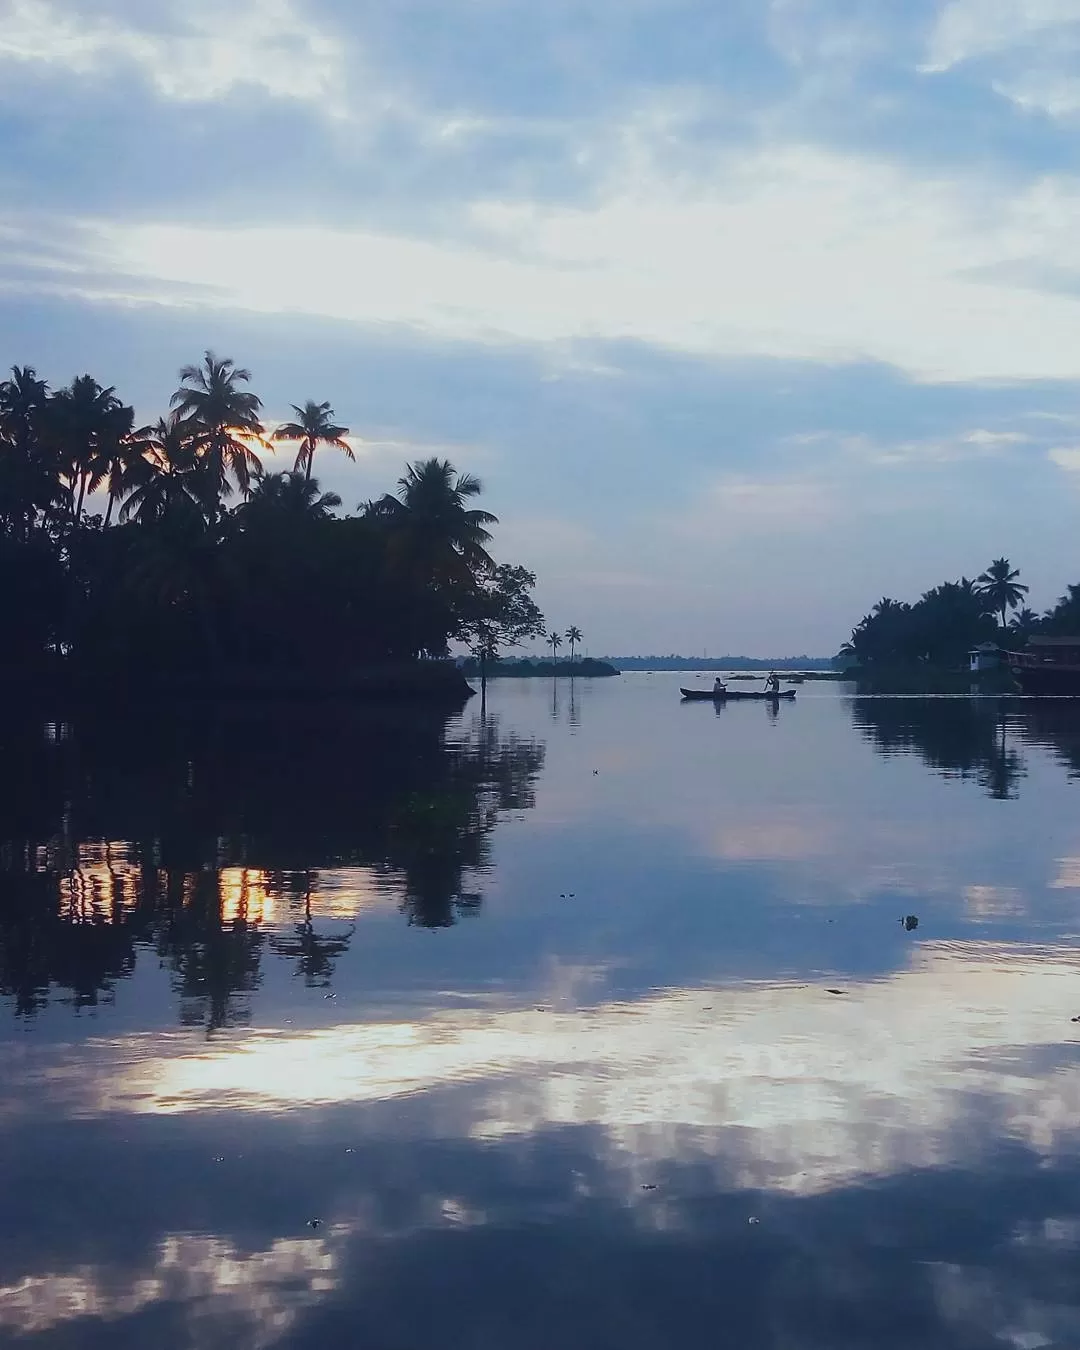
(734, 695)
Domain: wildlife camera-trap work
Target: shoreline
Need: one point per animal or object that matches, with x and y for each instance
(437, 682)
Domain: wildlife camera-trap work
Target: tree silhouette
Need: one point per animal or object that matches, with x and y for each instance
(573, 637)
(87, 425)
(292, 496)
(224, 418)
(314, 426)
(554, 641)
(1000, 589)
(168, 580)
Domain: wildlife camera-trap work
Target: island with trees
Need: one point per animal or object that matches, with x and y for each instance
(147, 560)
(937, 632)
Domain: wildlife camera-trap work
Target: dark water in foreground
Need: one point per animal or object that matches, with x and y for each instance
(517, 1030)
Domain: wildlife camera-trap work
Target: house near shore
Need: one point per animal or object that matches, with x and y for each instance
(986, 656)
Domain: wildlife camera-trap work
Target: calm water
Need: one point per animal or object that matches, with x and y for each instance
(589, 1021)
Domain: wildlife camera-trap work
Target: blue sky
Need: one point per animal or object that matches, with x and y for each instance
(746, 311)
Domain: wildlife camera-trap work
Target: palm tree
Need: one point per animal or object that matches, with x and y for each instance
(28, 482)
(288, 496)
(440, 538)
(167, 477)
(1023, 621)
(314, 426)
(225, 418)
(1000, 589)
(573, 637)
(87, 425)
(554, 641)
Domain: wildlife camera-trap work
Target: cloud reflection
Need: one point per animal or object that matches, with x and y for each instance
(262, 1290)
(794, 1087)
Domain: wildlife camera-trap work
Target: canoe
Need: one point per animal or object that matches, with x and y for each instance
(734, 695)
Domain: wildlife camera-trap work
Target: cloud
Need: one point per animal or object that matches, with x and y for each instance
(1066, 457)
(970, 29)
(787, 253)
(213, 49)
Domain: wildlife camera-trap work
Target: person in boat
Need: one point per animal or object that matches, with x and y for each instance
(719, 687)
(772, 684)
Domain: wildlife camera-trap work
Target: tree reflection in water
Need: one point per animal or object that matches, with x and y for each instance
(221, 821)
(979, 738)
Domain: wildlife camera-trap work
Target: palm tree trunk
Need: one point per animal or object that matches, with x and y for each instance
(82, 497)
(310, 461)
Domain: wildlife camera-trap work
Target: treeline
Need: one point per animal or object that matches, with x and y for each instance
(168, 550)
(948, 621)
(720, 662)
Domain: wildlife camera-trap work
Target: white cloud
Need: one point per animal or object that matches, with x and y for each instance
(1052, 92)
(969, 29)
(216, 48)
(1066, 457)
(787, 252)
(968, 445)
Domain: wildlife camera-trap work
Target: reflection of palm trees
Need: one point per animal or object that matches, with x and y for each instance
(957, 737)
(314, 953)
(215, 961)
(219, 811)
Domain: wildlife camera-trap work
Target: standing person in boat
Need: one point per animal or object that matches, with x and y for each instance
(772, 684)
(719, 687)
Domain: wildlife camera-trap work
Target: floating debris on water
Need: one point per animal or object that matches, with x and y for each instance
(314, 1223)
(910, 922)
(649, 1186)
(836, 991)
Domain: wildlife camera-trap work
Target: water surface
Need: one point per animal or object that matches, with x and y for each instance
(585, 1018)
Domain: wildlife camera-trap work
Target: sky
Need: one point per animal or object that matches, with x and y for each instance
(746, 312)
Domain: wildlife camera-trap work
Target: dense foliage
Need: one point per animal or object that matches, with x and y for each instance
(200, 560)
(950, 620)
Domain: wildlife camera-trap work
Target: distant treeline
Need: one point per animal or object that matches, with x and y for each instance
(132, 556)
(720, 662)
(948, 621)
(531, 668)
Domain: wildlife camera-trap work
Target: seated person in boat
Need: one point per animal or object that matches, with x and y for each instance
(772, 684)
(719, 687)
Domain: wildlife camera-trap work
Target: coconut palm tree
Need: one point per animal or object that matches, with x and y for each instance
(291, 496)
(573, 637)
(314, 426)
(1000, 589)
(167, 478)
(1023, 621)
(87, 425)
(554, 641)
(225, 418)
(438, 536)
(28, 483)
